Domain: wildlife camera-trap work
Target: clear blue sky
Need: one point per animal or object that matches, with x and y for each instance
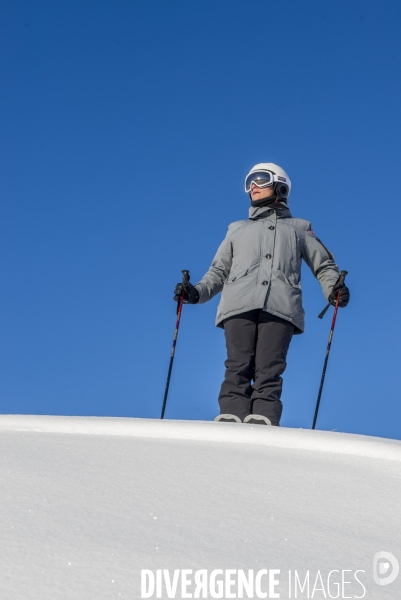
(127, 130)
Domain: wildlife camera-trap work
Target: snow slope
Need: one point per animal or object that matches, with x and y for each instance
(88, 502)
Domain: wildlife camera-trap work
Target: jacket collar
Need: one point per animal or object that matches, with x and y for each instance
(261, 212)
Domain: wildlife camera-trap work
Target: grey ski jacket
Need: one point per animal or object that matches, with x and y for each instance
(258, 265)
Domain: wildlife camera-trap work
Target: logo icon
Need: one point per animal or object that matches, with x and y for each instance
(382, 574)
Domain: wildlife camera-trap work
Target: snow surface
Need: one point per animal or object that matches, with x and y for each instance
(87, 502)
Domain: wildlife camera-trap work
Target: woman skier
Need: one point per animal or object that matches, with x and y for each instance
(258, 269)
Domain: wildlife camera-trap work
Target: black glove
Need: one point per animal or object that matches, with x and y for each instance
(344, 295)
(191, 294)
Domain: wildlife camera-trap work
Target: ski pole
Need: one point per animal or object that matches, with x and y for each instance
(333, 323)
(185, 279)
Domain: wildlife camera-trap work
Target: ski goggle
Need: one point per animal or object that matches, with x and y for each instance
(261, 179)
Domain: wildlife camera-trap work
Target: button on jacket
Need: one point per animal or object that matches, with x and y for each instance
(258, 265)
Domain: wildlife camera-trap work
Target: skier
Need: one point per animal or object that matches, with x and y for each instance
(258, 268)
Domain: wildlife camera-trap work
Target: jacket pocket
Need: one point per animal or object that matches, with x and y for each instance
(280, 275)
(232, 278)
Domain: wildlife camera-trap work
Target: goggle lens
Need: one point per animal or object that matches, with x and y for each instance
(259, 178)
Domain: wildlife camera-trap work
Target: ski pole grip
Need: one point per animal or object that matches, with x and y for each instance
(185, 276)
(342, 277)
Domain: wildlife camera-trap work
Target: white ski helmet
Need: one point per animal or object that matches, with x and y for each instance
(266, 175)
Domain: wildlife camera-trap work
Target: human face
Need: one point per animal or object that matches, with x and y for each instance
(261, 193)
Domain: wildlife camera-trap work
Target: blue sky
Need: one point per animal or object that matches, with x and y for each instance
(127, 130)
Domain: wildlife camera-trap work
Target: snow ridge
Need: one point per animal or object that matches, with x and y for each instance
(210, 432)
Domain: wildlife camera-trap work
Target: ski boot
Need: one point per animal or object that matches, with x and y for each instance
(228, 418)
(257, 420)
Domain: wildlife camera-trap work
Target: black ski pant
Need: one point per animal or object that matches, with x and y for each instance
(257, 345)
